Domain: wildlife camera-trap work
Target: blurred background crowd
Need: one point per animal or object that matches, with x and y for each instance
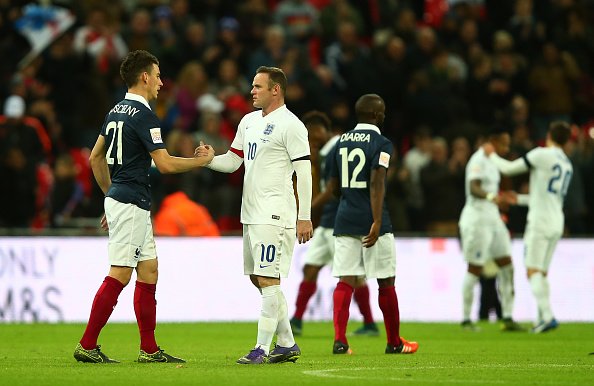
(446, 69)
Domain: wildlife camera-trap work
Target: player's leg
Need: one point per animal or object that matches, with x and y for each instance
(319, 254)
(348, 264)
(475, 242)
(361, 297)
(501, 250)
(539, 252)
(122, 260)
(380, 263)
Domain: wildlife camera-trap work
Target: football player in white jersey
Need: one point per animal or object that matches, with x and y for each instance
(483, 233)
(272, 143)
(550, 174)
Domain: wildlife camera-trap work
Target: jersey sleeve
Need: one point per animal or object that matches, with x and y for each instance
(296, 140)
(331, 169)
(149, 132)
(237, 144)
(475, 170)
(382, 155)
(536, 157)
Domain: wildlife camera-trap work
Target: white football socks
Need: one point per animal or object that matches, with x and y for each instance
(284, 333)
(541, 291)
(268, 317)
(505, 285)
(468, 285)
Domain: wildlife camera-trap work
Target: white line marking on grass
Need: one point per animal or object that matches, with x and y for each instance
(332, 373)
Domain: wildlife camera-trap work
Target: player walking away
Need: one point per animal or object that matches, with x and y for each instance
(364, 240)
(272, 143)
(321, 250)
(550, 175)
(483, 233)
(121, 158)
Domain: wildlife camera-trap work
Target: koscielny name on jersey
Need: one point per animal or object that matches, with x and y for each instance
(356, 137)
(125, 109)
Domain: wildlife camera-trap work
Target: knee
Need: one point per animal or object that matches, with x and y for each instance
(387, 282)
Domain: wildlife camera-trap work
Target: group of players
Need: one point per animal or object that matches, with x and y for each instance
(354, 235)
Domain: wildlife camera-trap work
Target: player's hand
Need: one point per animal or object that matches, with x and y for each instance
(509, 197)
(104, 223)
(202, 150)
(371, 238)
(488, 148)
(304, 231)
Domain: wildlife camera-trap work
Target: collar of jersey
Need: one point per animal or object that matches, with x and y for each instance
(137, 98)
(367, 126)
(283, 107)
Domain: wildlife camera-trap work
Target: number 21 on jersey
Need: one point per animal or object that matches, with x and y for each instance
(117, 127)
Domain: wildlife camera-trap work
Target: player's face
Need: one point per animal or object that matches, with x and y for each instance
(154, 82)
(317, 136)
(501, 144)
(261, 94)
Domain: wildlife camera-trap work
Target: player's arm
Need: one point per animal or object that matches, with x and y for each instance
(377, 192)
(99, 166)
(510, 168)
(335, 187)
(302, 168)
(477, 191)
(226, 163)
(168, 164)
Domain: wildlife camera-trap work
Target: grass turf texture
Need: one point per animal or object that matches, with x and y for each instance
(41, 354)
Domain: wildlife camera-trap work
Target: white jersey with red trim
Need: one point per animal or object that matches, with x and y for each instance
(268, 145)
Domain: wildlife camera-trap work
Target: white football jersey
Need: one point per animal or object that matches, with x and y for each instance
(550, 175)
(269, 144)
(480, 167)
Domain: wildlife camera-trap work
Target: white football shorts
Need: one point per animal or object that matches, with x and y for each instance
(321, 248)
(539, 248)
(376, 262)
(268, 250)
(485, 241)
(130, 234)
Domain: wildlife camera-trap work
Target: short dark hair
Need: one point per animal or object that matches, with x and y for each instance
(497, 130)
(134, 64)
(560, 132)
(315, 117)
(276, 75)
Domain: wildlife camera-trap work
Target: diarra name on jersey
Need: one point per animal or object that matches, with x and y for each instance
(356, 137)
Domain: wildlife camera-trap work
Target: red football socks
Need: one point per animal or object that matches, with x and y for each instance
(145, 307)
(103, 305)
(342, 302)
(388, 302)
(306, 291)
(362, 299)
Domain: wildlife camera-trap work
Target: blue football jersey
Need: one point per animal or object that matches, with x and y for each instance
(329, 209)
(355, 155)
(131, 132)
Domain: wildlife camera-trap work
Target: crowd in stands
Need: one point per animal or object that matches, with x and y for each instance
(447, 69)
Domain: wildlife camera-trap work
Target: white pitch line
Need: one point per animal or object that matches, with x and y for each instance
(331, 373)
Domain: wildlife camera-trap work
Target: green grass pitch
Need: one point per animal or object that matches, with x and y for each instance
(41, 354)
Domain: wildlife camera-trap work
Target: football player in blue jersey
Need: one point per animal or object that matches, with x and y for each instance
(130, 139)
(324, 205)
(364, 243)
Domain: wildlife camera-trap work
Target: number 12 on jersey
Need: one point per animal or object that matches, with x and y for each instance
(347, 157)
(117, 127)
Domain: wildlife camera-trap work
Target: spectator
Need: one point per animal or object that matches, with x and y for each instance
(335, 12)
(437, 182)
(298, 18)
(192, 82)
(66, 199)
(21, 151)
(272, 52)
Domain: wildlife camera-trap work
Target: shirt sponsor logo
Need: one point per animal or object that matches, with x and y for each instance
(384, 159)
(269, 128)
(156, 135)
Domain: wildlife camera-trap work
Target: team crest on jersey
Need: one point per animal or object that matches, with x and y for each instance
(269, 128)
(156, 135)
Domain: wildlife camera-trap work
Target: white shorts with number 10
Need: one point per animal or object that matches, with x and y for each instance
(351, 258)
(268, 250)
